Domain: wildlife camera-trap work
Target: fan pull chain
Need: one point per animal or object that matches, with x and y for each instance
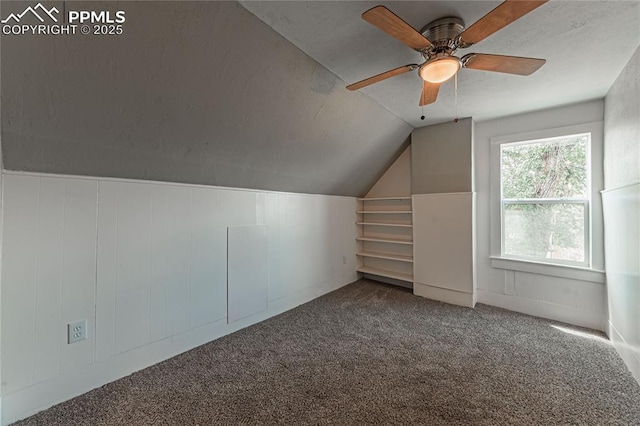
(455, 97)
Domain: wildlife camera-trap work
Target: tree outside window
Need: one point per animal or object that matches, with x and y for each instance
(545, 199)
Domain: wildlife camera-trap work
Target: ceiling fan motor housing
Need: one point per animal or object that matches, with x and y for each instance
(442, 33)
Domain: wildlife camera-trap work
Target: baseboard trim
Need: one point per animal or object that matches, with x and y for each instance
(629, 354)
(538, 308)
(453, 297)
(26, 402)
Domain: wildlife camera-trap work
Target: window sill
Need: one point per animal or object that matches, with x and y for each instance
(562, 271)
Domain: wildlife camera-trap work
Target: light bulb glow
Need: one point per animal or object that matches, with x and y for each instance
(439, 70)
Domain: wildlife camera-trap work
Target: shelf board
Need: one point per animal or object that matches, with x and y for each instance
(384, 273)
(384, 240)
(384, 198)
(384, 211)
(398, 225)
(388, 256)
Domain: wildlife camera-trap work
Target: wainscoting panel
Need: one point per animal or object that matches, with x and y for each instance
(247, 271)
(48, 276)
(145, 263)
(443, 247)
(622, 253)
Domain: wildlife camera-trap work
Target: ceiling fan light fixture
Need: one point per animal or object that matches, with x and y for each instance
(439, 69)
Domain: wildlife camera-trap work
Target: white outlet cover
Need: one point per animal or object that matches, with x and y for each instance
(76, 331)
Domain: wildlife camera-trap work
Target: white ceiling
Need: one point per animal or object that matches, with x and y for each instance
(586, 45)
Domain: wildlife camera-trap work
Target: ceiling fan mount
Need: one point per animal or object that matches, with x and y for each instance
(440, 39)
(443, 34)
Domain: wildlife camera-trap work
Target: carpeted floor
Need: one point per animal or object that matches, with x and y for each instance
(370, 353)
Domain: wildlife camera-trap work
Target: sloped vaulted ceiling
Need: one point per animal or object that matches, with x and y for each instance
(194, 92)
(586, 45)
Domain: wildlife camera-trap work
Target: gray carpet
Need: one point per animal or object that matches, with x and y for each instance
(370, 353)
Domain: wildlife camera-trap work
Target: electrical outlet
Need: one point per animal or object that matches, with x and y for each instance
(76, 331)
(344, 260)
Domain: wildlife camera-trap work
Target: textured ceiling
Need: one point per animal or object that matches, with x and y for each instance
(586, 45)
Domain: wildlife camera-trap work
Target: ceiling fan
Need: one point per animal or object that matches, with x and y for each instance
(440, 39)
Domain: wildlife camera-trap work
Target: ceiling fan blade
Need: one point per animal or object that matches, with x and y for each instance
(383, 76)
(498, 18)
(393, 25)
(429, 93)
(500, 63)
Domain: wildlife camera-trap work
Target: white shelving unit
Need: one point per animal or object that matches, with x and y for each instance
(385, 240)
(397, 225)
(385, 237)
(385, 212)
(386, 273)
(398, 257)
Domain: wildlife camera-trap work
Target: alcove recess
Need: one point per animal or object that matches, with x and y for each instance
(385, 238)
(416, 225)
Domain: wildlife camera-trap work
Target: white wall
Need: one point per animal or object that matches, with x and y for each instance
(622, 212)
(1, 210)
(443, 244)
(574, 298)
(146, 264)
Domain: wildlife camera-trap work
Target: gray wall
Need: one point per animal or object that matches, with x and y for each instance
(622, 127)
(441, 158)
(194, 92)
(621, 201)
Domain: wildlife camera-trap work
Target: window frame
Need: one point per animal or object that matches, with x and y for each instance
(595, 266)
(584, 201)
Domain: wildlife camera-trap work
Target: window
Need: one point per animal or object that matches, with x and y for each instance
(545, 188)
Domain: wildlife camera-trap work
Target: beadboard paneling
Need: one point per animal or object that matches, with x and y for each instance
(48, 276)
(146, 264)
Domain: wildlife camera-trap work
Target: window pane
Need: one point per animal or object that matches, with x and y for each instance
(549, 169)
(545, 231)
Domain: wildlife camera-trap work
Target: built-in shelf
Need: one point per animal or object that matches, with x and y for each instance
(384, 198)
(388, 256)
(397, 225)
(385, 273)
(384, 211)
(384, 240)
(394, 259)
